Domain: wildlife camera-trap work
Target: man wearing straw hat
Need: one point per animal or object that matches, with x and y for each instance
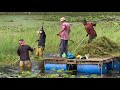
(64, 36)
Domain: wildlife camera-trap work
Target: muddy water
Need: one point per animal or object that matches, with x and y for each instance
(12, 72)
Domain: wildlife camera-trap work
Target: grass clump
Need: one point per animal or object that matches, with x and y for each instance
(102, 46)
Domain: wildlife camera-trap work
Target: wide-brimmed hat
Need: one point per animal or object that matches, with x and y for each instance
(62, 19)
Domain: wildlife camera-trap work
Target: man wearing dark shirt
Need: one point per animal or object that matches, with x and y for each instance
(23, 52)
(89, 27)
(41, 42)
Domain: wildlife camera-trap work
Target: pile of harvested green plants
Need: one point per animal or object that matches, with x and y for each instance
(101, 47)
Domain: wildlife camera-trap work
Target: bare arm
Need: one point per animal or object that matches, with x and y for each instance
(60, 32)
(63, 28)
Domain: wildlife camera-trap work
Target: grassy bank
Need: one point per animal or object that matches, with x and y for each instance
(61, 13)
(15, 27)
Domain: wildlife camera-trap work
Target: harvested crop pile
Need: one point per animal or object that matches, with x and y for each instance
(100, 47)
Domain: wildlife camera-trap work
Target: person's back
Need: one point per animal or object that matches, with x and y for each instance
(23, 52)
(90, 29)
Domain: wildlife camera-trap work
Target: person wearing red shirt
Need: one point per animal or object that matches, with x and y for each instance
(89, 27)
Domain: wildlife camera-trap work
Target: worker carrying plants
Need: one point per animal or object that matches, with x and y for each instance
(64, 36)
(89, 27)
(23, 52)
(41, 42)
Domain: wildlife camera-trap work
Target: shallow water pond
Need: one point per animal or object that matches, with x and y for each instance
(13, 72)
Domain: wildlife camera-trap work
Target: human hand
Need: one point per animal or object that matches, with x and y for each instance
(33, 48)
(86, 35)
(36, 40)
(58, 34)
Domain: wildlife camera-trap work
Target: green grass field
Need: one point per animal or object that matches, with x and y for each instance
(15, 27)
